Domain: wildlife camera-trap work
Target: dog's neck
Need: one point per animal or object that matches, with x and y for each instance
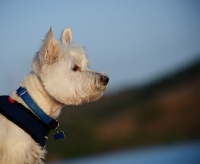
(36, 90)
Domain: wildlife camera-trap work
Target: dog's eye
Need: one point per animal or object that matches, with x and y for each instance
(76, 68)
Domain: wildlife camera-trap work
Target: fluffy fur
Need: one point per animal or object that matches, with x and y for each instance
(60, 76)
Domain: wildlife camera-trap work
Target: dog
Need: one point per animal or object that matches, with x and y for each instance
(60, 76)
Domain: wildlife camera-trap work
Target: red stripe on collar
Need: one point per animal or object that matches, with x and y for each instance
(11, 100)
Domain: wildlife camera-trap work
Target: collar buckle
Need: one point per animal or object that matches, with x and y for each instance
(53, 124)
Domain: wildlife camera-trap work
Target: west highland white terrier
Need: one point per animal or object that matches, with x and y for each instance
(60, 76)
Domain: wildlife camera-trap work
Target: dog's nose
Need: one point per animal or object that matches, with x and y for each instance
(104, 79)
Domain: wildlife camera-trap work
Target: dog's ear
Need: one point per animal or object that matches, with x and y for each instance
(66, 36)
(49, 51)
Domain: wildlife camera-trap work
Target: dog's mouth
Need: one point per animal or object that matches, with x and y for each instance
(100, 88)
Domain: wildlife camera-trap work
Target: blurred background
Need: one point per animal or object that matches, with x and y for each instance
(150, 49)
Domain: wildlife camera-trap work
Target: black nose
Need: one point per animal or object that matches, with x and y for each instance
(104, 79)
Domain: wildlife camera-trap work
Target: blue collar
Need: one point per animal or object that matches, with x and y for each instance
(50, 122)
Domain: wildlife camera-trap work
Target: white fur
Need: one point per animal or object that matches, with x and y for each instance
(60, 75)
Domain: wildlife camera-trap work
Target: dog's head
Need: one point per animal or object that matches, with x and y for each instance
(63, 69)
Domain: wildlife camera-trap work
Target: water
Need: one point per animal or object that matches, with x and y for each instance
(184, 153)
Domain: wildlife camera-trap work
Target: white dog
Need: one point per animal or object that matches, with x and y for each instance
(60, 76)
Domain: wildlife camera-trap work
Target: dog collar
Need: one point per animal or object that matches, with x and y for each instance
(50, 122)
(25, 119)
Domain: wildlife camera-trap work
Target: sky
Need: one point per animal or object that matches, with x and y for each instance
(133, 41)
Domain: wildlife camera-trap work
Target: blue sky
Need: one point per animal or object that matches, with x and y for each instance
(133, 41)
